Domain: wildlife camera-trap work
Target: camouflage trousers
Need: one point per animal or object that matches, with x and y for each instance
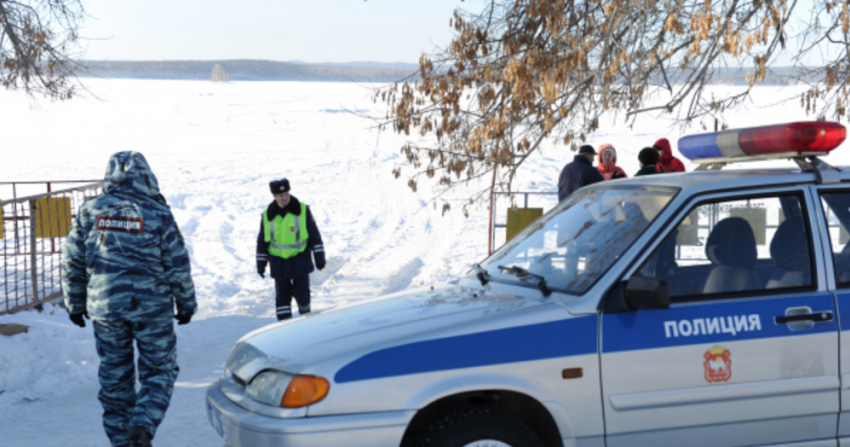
(122, 406)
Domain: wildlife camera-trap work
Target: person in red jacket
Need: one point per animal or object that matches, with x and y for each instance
(666, 161)
(607, 166)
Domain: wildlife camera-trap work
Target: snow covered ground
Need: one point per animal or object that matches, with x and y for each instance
(214, 148)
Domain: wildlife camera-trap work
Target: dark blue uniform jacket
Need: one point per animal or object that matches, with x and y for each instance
(300, 264)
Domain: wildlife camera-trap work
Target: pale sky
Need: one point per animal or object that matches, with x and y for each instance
(280, 30)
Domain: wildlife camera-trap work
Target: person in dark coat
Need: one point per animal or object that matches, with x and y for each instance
(648, 158)
(580, 172)
(289, 240)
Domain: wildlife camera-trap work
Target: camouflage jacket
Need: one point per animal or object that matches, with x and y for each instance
(125, 258)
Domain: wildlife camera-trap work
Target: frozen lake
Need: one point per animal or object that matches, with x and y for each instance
(214, 148)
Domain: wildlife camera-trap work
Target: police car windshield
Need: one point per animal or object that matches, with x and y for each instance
(574, 244)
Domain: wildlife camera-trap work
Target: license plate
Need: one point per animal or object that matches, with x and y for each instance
(215, 419)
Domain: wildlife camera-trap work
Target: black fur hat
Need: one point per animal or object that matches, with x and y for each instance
(279, 186)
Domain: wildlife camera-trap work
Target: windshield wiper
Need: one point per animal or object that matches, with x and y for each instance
(527, 276)
(482, 275)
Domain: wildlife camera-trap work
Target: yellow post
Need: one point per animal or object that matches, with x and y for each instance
(519, 218)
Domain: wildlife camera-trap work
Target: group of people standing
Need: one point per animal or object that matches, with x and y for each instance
(657, 159)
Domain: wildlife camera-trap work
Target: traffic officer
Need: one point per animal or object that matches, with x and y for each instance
(290, 240)
(126, 267)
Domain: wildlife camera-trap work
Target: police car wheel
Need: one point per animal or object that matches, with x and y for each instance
(478, 427)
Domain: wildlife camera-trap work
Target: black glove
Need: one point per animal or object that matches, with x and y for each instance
(78, 319)
(320, 265)
(183, 318)
(261, 268)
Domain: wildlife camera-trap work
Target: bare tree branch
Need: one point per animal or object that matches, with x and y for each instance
(523, 72)
(38, 41)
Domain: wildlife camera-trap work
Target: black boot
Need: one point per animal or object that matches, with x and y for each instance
(139, 437)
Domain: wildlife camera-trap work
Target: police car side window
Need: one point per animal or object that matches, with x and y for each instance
(836, 205)
(735, 248)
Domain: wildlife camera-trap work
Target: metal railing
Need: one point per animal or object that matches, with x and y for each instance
(32, 236)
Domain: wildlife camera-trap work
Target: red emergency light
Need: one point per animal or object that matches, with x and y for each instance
(782, 140)
(809, 136)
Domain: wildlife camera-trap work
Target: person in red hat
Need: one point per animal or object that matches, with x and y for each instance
(607, 166)
(666, 161)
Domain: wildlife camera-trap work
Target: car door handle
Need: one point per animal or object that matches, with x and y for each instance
(817, 317)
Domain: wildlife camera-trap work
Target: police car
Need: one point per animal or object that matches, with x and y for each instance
(698, 309)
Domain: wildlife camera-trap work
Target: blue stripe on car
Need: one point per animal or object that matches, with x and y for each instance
(563, 338)
(645, 329)
(628, 331)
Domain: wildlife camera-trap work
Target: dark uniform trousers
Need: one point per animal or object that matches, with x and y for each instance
(286, 289)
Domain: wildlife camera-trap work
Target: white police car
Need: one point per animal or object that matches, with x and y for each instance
(698, 309)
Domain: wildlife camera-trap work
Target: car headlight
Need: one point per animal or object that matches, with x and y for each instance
(285, 390)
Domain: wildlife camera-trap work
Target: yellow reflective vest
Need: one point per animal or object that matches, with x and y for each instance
(287, 235)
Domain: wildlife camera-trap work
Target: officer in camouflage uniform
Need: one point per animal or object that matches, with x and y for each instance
(126, 267)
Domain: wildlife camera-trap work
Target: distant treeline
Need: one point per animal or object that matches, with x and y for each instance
(263, 70)
(243, 70)
(774, 76)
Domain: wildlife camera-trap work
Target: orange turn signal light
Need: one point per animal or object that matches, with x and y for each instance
(305, 390)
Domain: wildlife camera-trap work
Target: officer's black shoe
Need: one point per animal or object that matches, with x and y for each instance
(139, 437)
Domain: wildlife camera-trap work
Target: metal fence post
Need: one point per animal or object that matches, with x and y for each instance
(33, 260)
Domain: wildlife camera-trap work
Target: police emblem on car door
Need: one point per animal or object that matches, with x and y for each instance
(718, 364)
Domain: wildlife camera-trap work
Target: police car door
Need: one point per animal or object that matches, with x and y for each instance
(835, 222)
(746, 354)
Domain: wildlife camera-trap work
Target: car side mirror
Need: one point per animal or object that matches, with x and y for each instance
(647, 293)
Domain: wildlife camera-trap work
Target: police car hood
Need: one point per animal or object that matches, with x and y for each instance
(128, 173)
(335, 337)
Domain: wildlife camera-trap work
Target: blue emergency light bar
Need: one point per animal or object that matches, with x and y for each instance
(790, 140)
